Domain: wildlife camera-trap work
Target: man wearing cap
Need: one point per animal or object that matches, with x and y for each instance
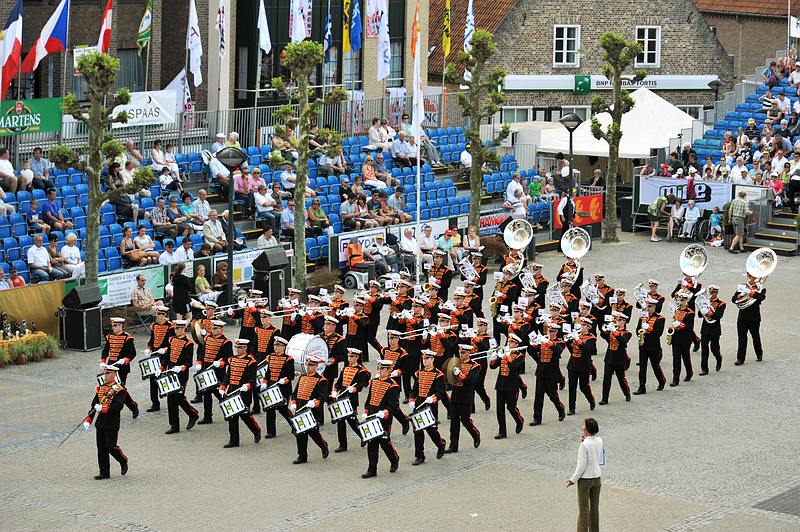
(617, 303)
(109, 398)
(443, 342)
(119, 351)
(600, 306)
(311, 391)
(265, 334)
(481, 342)
(652, 293)
(585, 313)
(547, 355)
(582, 348)
(511, 362)
(337, 350)
(505, 293)
(357, 328)
(240, 377)
(218, 144)
(160, 332)
(178, 360)
(373, 305)
(710, 329)
(311, 322)
(749, 319)
(572, 270)
(441, 274)
(353, 378)
(383, 400)
(216, 351)
(649, 328)
(682, 337)
(462, 317)
(250, 316)
(471, 299)
(416, 328)
(428, 390)
(400, 370)
(433, 303)
(281, 372)
(541, 284)
(291, 320)
(338, 304)
(477, 262)
(400, 302)
(462, 400)
(617, 360)
(209, 315)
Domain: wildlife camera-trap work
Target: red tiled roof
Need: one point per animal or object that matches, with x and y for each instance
(488, 16)
(775, 8)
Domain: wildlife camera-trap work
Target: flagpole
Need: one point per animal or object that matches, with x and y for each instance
(64, 78)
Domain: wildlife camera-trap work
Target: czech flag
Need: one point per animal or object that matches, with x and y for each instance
(52, 39)
(11, 47)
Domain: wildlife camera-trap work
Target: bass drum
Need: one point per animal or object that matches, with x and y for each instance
(302, 346)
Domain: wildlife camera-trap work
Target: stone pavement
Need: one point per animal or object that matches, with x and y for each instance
(701, 456)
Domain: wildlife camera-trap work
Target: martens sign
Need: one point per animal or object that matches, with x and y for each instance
(30, 116)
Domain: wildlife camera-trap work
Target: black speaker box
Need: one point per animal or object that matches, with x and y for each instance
(87, 296)
(271, 259)
(81, 329)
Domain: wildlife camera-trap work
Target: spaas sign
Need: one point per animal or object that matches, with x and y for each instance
(149, 108)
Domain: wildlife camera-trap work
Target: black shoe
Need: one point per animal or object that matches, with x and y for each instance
(487, 403)
(205, 421)
(738, 363)
(518, 429)
(340, 449)
(101, 477)
(257, 437)
(627, 397)
(369, 474)
(192, 422)
(696, 348)
(363, 444)
(299, 460)
(154, 408)
(719, 364)
(406, 426)
(123, 468)
(173, 430)
(562, 415)
(571, 413)
(269, 436)
(592, 406)
(450, 450)
(500, 437)
(603, 402)
(229, 445)
(594, 376)
(640, 391)
(394, 467)
(135, 411)
(524, 392)
(405, 401)
(687, 378)
(704, 372)
(440, 452)
(674, 383)
(325, 451)
(418, 461)
(561, 385)
(476, 442)
(197, 399)
(758, 359)
(661, 386)
(534, 423)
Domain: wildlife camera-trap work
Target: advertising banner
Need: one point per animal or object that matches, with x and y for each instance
(117, 288)
(149, 108)
(708, 194)
(588, 211)
(42, 115)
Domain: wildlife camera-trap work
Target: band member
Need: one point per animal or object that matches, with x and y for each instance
(710, 329)
(428, 390)
(217, 350)
(120, 351)
(311, 322)
(240, 377)
(604, 291)
(572, 301)
(510, 360)
(398, 302)
(617, 360)
(338, 303)
(617, 303)
(382, 401)
(443, 342)
(462, 400)
(433, 305)
(357, 328)
(548, 373)
(160, 333)
(481, 343)
(179, 360)
(749, 319)
(583, 346)
(472, 300)
(281, 372)
(541, 283)
(682, 337)
(291, 320)
(265, 334)
(506, 292)
(573, 271)
(441, 273)
(649, 328)
(250, 318)
(512, 257)
(353, 378)
(109, 398)
(209, 314)
(337, 350)
(481, 270)
(692, 288)
(373, 305)
(399, 371)
(413, 344)
(652, 293)
(462, 316)
(520, 327)
(310, 392)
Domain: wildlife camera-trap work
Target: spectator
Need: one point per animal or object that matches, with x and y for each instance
(238, 242)
(220, 279)
(445, 244)
(132, 154)
(284, 146)
(784, 105)
(587, 476)
(167, 182)
(676, 214)
(348, 214)
(160, 161)
(201, 206)
(384, 256)
(392, 215)
(185, 253)
(466, 159)
(288, 177)
(8, 178)
(397, 203)
(738, 171)
(127, 177)
(331, 165)
(715, 224)
(206, 250)
(3, 282)
(73, 264)
(691, 217)
(402, 151)
(597, 179)
(287, 220)
(358, 186)
(146, 245)
(318, 221)
(409, 250)
(655, 210)
(792, 188)
(256, 180)
(142, 299)
(124, 207)
(345, 190)
(41, 170)
(5, 208)
(375, 210)
(160, 219)
(387, 130)
(202, 287)
(127, 250)
(114, 177)
(313, 145)
(14, 279)
(172, 162)
(220, 174)
(168, 256)
(362, 214)
(278, 195)
(56, 260)
(382, 172)
(470, 244)
(265, 207)
(189, 211)
(427, 243)
(218, 144)
(233, 140)
(431, 151)
(535, 188)
(51, 213)
(242, 187)
(416, 151)
(34, 216)
(675, 162)
(739, 212)
(369, 176)
(181, 292)
(379, 137)
(267, 239)
(39, 263)
(517, 208)
(513, 185)
(213, 234)
(770, 76)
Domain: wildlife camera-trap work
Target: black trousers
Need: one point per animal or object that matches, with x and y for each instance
(546, 384)
(507, 401)
(233, 426)
(284, 411)
(460, 414)
(499, 329)
(579, 379)
(174, 400)
(341, 430)
(107, 446)
(752, 327)
(154, 393)
(302, 442)
(706, 341)
(208, 404)
(372, 340)
(480, 387)
(680, 353)
(608, 374)
(384, 443)
(419, 440)
(654, 358)
(123, 378)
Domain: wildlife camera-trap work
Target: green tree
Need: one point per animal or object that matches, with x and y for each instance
(481, 101)
(618, 55)
(302, 59)
(100, 72)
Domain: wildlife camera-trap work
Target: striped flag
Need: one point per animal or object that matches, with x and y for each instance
(221, 27)
(469, 29)
(11, 47)
(104, 41)
(145, 27)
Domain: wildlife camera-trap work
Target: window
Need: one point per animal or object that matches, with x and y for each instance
(514, 114)
(566, 40)
(329, 66)
(696, 111)
(583, 111)
(650, 39)
(131, 70)
(351, 70)
(395, 78)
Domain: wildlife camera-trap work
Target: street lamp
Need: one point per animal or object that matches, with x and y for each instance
(231, 158)
(715, 85)
(571, 121)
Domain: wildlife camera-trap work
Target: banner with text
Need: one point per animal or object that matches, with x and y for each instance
(366, 238)
(588, 210)
(116, 289)
(708, 194)
(149, 108)
(242, 264)
(30, 116)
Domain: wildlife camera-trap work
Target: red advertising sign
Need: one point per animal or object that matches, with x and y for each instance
(588, 210)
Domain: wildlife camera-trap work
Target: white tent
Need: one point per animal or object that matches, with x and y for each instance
(650, 124)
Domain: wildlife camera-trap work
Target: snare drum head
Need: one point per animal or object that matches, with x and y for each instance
(302, 346)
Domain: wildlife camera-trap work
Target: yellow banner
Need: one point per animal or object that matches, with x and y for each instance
(36, 303)
(346, 12)
(446, 29)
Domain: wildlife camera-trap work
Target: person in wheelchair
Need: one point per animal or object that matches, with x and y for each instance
(690, 217)
(356, 261)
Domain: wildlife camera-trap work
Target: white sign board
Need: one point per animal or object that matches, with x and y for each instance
(149, 108)
(77, 52)
(366, 238)
(242, 264)
(708, 194)
(566, 82)
(117, 288)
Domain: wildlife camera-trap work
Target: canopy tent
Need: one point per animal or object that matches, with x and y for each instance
(650, 124)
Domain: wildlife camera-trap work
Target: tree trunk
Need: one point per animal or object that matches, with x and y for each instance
(300, 187)
(614, 138)
(476, 147)
(475, 194)
(92, 242)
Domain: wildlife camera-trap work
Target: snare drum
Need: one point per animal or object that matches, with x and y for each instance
(149, 366)
(341, 409)
(371, 429)
(206, 380)
(168, 383)
(262, 372)
(233, 405)
(302, 346)
(303, 422)
(423, 418)
(101, 378)
(271, 397)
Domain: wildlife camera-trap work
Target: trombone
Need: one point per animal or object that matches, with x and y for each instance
(433, 329)
(490, 352)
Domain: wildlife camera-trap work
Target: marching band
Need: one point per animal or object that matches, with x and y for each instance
(438, 352)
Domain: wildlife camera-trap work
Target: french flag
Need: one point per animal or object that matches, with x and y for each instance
(52, 39)
(11, 47)
(104, 42)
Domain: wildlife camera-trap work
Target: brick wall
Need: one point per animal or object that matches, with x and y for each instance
(751, 40)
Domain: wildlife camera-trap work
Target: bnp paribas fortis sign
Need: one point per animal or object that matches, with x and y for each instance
(30, 116)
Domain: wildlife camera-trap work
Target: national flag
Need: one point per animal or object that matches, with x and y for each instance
(104, 41)
(264, 41)
(145, 27)
(446, 29)
(11, 47)
(418, 112)
(52, 39)
(469, 29)
(384, 47)
(346, 5)
(221, 27)
(297, 22)
(794, 28)
(356, 27)
(327, 40)
(194, 45)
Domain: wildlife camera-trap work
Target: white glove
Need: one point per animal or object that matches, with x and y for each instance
(162, 351)
(703, 310)
(457, 371)
(245, 388)
(203, 332)
(98, 407)
(363, 416)
(313, 403)
(429, 400)
(351, 389)
(645, 326)
(230, 312)
(216, 363)
(595, 301)
(284, 380)
(251, 304)
(395, 373)
(146, 352)
(330, 362)
(86, 425)
(293, 408)
(676, 324)
(494, 356)
(263, 386)
(425, 335)
(412, 405)
(102, 365)
(381, 414)
(158, 372)
(176, 369)
(198, 366)
(294, 315)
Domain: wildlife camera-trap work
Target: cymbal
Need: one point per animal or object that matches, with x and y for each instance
(448, 367)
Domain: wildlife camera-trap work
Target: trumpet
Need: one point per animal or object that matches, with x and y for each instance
(241, 302)
(641, 333)
(489, 352)
(433, 329)
(670, 332)
(493, 304)
(402, 315)
(506, 318)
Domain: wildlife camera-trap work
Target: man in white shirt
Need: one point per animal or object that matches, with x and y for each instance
(72, 255)
(219, 173)
(409, 250)
(266, 240)
(265, 207)
(513, 185)
(201, 205)
(39, 262)
(779, 160)
(8, 178)
(738, 171)
(185, 253)
(382, 253)
(168, 256)
(518, 207)
(784, 105)
(218, 143)
(466, 159)
(587, 476)
(213, 233)
(402, 152)
(397, 204)
(288, 177)
(690, 219)
(427, 243)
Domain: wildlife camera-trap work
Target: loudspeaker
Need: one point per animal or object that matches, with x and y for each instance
(271, 284)
(271, 259)
(87, 296)
(81, 329)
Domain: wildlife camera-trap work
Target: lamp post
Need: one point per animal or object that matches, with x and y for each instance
(231, 158)
(571, 121)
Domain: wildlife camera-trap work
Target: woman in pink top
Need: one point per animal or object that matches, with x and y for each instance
(242, 185)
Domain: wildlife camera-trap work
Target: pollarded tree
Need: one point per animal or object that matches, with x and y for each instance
(481, 101)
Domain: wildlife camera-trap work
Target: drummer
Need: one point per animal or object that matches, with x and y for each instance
(291, 320)
(428, 390)
(281, 372)
(309, 394)
(353, 378)
(217, 350)
(160, 333)
(382, 401)
(240, 377)
(201, 328)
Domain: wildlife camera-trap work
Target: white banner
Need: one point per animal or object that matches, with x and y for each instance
(242, 264)
(77, 52)
(708, 194)
(149, 108)
(117, 288)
